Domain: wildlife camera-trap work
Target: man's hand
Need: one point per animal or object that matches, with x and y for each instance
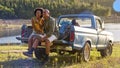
(44, 38)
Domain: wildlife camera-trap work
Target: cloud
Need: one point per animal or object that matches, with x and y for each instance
(116, 5)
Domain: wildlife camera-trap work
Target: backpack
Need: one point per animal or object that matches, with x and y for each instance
(64, 30)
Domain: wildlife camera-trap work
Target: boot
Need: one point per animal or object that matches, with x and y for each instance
(29, 53)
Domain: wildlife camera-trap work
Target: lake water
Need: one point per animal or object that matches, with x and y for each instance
(114, 28)
(9, 40)
(9, 32)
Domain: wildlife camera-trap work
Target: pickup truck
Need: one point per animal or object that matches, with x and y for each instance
(89, 33)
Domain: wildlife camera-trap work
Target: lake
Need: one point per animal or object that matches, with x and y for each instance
(10, 35)
(115, 29)
(10, 40)
(5, 32)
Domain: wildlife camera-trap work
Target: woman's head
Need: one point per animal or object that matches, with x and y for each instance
(38, 12)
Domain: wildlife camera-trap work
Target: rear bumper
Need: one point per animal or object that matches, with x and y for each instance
(56, 42)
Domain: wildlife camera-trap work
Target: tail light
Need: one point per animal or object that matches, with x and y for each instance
(72, 36)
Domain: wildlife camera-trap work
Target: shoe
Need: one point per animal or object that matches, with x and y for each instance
(27, 54)
(30, 58)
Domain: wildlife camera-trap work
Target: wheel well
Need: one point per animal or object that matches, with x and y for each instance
(89, 43)
(110, 41)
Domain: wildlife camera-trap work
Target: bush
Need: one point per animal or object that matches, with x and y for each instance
(24, 8)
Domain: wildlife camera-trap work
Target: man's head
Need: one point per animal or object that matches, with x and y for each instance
(46, 13)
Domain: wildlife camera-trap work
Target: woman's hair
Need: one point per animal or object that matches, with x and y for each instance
(39, 9)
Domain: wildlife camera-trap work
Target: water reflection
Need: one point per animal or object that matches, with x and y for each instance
(9, 32)
(9, 40)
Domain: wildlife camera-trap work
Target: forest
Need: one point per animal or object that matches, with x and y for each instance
(23, 9)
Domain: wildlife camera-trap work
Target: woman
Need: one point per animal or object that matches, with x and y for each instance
(37, 24)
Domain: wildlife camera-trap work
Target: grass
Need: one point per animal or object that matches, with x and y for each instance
(6, 55)
(64, 61)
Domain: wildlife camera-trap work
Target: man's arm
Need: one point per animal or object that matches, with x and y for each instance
(51, 26)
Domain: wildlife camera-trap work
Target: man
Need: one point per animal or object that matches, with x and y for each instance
(49, 30)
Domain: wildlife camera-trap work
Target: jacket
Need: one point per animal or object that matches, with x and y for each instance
(50, 27)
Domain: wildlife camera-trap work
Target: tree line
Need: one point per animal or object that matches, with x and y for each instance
(17, 9)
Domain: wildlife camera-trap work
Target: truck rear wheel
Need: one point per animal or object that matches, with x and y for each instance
(107, 51)
(84, 54)
(40, 53)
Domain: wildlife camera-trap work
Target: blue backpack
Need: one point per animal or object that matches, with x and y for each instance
(64, 29)
(63, 26)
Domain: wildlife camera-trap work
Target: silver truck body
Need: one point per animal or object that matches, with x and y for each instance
(91, 30)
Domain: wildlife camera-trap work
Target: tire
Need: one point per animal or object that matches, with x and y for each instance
(107, 51)
(85, 54)
(40, 54)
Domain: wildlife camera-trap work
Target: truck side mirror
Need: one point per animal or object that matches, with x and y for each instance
(103, 26)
